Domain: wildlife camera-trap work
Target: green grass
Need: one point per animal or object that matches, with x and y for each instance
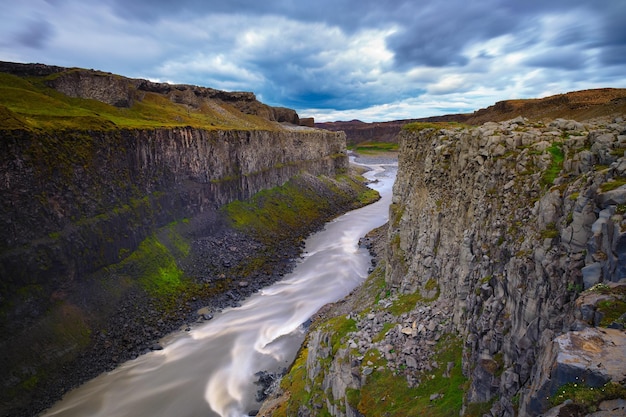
(155, 267)
(613, 310)
(338, 328)
(295, 383)
(419, 126)
(28, 103)
(613, 184)
(405, 303)
(401, 400)
(374, 148)
(277, 212)
(550, 174)
(587, 397)
(550, 232)
(272, 213)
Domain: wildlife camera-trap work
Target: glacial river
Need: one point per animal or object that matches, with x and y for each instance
(210, 370)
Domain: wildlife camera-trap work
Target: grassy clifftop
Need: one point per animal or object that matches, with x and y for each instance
(30, 102)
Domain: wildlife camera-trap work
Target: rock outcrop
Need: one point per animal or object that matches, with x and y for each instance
(512, 221)
(505, 259)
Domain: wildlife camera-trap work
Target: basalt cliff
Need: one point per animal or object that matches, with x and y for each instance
(500, 289)
(123, 210)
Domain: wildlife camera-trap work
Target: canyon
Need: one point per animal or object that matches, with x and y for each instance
(499, 288)
(132, 209)
(123, 211)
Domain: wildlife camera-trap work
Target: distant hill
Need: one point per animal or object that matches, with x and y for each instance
(577, 105)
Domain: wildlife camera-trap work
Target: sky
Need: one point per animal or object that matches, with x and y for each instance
(372, 60)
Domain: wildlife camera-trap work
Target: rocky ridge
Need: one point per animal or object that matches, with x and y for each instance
(507, 242)
(123, 92)
(512, 220)
(577, 105)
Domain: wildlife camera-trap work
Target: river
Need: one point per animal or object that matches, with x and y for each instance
(210, 370)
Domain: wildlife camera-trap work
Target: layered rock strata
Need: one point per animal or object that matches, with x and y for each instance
(77, 205)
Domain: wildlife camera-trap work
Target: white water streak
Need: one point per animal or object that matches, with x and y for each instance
(210, 370)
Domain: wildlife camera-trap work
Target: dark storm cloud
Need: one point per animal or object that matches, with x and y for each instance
(380, 58)
(34, 34)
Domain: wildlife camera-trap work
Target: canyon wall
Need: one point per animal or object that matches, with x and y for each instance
(85, 214)
(63, 191)
(512, 221)
(502, 280)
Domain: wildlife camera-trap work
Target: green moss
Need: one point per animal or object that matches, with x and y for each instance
(295, 383)
(156, 268)
(338, 328)
(368, 196)
(431, 284)
(613, 310)
(550, 174)
(153, 267)
(405, 303)
(401, 400)
(587, 397)
(271, 213)
(613, 184)
(275, 214)
(550, 232)
(353, 397)
(381, 335)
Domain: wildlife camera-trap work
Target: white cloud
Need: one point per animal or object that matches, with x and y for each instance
(332, 59)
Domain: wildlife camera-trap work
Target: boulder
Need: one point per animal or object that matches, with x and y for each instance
(591, 356)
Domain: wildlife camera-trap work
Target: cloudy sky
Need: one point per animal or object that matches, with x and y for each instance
(371, 60)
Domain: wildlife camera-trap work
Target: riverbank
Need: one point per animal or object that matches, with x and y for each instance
(221, 263)
(212, 368)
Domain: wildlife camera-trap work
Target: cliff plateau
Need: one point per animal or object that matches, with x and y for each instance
(500, 290)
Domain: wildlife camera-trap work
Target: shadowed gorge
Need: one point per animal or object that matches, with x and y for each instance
(113, 219)
(500, 284)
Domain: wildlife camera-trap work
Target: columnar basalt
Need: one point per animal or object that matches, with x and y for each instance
(512, 220)
(82, 210)
(502, 282)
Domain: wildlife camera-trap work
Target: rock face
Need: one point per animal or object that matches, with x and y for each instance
(512, 221)
(510, 236)
(60, 197)
(76, 202)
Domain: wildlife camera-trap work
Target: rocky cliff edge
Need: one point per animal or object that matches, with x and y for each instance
(502, 291)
